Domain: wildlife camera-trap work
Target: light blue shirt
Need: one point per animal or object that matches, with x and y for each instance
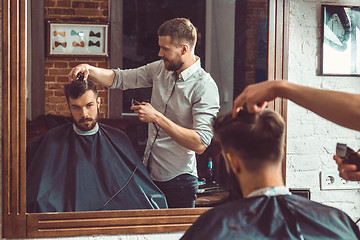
(190, 102)
(86, 133)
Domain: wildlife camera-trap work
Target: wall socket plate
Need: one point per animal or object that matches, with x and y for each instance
(330, 180)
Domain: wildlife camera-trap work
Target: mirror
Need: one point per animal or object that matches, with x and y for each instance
(341, 40)
(16, 222)
(139, 46)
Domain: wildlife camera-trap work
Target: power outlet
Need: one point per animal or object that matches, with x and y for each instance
(330, 180)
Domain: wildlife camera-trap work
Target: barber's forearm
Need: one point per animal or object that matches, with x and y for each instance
(101, 76)
(339, 107)
(187, 138)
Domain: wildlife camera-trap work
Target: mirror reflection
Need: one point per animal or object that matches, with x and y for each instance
(341, 40)
(58, 183)
(83, 165)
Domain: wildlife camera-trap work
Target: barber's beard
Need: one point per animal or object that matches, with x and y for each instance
(88, 126)
(172, 65)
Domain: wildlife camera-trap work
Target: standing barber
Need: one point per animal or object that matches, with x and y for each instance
(184, 100)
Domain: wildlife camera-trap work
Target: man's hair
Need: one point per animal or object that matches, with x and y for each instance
(179, 30)
(76, 89)
(257, 138)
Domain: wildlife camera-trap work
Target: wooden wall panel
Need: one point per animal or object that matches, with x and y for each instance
(278, 54)
(14, 118)
(111, 222)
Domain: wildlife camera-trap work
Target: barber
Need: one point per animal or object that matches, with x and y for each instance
(184, 100)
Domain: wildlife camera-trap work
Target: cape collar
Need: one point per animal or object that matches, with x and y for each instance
(271, 191)
(86, 133)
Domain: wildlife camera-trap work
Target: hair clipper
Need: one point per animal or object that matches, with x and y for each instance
(348, 155)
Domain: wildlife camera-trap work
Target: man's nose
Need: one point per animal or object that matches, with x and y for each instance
(160, 54)
(84, 112)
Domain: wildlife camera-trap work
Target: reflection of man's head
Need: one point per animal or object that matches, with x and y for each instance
(82, 98)
(176, 37)
(256, 139)
(180, 30)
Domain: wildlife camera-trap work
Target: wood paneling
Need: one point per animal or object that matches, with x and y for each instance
(14, 117)
(111, 222)
(278, 54)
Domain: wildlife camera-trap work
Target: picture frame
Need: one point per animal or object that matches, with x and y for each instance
(71, 38)
(340, 50)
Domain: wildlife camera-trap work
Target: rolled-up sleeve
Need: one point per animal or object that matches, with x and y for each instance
(136, 78)
(206, 107)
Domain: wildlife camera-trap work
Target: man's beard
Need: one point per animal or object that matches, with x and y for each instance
(86, 127)
(172, 66)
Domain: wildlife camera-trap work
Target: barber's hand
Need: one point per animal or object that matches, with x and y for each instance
(145, 112)
(81, 68)
(347, 171)
(256, 97)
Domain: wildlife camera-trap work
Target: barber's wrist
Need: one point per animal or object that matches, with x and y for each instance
(281, 88)
(158, 118)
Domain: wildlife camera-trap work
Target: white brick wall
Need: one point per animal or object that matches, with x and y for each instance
(311, 140)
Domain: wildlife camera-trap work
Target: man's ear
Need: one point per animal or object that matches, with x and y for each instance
(234, 163)
(98, 100)
(184, 48)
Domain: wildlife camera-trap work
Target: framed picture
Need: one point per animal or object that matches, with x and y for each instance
(90, 39)
(340, 40)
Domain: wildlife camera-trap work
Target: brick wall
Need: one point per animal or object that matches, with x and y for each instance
(257, 12)
(311, 140)
(58, 68)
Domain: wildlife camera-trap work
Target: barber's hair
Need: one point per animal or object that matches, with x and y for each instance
(76, 89)
(180, 30)
(257, 139)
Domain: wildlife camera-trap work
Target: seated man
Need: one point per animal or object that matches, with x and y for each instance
(253, 146)
(87, 166)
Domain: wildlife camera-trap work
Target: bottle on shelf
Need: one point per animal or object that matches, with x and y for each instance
(210, 174)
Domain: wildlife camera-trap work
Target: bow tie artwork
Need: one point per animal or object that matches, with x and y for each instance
(80, 44)
(63, 44)
(92, 34)
(91, 43)
(80, 34)
(59, 33)
(77, 39)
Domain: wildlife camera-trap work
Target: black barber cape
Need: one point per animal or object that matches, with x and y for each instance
(69, 172)
(276, 217)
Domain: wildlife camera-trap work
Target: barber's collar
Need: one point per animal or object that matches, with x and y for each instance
(86, 133)
(187, 73)
(271, 191)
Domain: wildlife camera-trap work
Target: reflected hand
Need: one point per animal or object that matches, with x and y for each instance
(347, 171)
(81, 68)
(145, 112)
